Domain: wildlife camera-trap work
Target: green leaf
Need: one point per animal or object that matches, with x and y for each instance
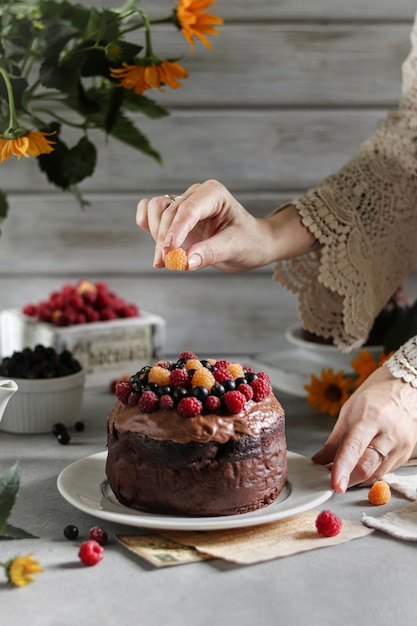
(66, 167)
(124, 130)
(12, 532)
(9, 487)
(4, 205)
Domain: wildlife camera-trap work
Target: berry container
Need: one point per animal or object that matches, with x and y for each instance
(39, 403)
(106, 350)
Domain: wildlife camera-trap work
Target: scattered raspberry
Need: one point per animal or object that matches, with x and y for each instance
(166, 402)
(179, 378)
(176, 260)
(246, 390)
(379, 493)
(236, 370)
(187, 355)
(328, 524)
(189, 407)
(261, 389)
(194, 364)
(99, 535)
(234, 401)
(90, 552)
(123, 389)
(203, 378)
(148, 402)
(221, 374)
(212, 404)
(158, 375)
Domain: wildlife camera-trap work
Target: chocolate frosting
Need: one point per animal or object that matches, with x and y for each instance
(222, 427)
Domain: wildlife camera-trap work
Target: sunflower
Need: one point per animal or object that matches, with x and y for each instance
(19, 570)
(365, 364)
(194, 22)
(33, 143)
(329, 392)
(143, 77)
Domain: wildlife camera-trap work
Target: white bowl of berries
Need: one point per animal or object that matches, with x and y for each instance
(50, 387)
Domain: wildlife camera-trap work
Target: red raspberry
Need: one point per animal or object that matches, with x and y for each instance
(166, 402)
(179, 378)
(99, 535)
(222, 374)
(221, 364)
(234, 401)
(328, 524)
(148, 402)
(261, 389)
(30, 309)
(246, 390)
(189, 407)
(264, 376)
(133, 399)
(90, 552)
(123, 389)
(188, 355)
(212, 404)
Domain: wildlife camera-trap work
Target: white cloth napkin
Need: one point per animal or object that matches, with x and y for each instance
(402, 523)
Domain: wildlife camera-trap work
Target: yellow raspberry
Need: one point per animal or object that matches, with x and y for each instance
(211, 361)
(194, 364)
(158, 375)
(379, 493)
(203, 378)
(176, 260)
(236, 370)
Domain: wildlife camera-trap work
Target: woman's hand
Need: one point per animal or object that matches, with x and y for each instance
(381, 413)
(216, 230)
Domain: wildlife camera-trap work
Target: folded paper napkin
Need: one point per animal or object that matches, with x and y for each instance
(402, 523)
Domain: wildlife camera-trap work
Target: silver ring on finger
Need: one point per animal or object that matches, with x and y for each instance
(383, 456)
(173, 198)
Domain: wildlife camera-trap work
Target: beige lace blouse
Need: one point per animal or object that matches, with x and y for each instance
(365, 218)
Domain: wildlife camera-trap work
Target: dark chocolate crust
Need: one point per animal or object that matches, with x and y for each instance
(197, 478)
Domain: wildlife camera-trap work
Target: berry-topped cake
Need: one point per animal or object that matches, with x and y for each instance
(196, 437)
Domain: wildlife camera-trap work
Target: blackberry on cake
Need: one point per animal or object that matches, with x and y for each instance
(203, 437)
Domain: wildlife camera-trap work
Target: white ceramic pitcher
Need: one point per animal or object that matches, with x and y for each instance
(7, 389)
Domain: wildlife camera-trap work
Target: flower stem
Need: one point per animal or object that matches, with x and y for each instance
(13, 130)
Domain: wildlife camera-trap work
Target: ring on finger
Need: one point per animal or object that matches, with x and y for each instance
(173, 198)
(378, 451)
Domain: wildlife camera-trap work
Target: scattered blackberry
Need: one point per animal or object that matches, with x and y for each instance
(71, 532)
(63, 437)
(79, 426)
(57, 428)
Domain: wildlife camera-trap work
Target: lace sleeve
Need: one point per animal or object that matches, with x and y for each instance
(403, 363)
(365, 218)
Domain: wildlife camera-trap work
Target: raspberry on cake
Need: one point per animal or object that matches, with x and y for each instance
(202, 438)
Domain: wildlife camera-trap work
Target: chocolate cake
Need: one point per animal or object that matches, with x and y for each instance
(197, 438)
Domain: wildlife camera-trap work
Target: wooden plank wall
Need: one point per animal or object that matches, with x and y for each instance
(283, 98)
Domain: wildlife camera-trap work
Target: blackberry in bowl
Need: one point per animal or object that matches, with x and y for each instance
(50, 389)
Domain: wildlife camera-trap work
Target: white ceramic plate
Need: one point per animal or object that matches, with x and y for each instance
(290, 370)
(294, 336)
(84, 485)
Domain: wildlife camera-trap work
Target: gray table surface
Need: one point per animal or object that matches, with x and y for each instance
(365, 581)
